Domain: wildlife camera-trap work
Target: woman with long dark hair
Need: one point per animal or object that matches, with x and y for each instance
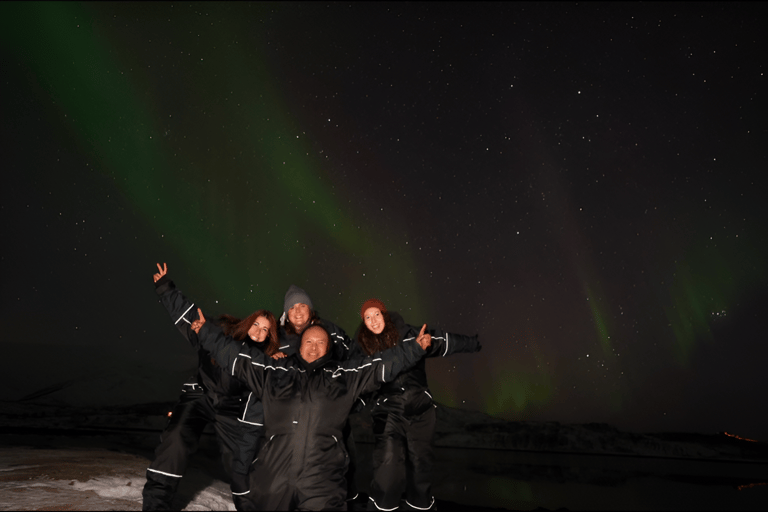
(403, 411)
(212, 396)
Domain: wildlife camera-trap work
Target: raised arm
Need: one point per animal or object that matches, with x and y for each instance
(178, 306)
(445, 343)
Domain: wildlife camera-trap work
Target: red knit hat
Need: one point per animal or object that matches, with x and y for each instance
(372, 303)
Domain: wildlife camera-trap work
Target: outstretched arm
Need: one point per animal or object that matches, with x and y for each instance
(445, 343)
(248, 367)
(372, 371)
(224, 349)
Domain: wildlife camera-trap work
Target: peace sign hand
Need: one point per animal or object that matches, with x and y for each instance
(197, 324)
(424, 340)
(163, 270)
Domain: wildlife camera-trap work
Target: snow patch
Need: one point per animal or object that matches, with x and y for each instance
(127, 488)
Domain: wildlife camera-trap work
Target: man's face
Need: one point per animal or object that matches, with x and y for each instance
(260, 329)
(374, 320)
(299, 316)
(314, 344)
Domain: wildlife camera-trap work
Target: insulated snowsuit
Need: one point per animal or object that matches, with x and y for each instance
(341, 346)
(211, 396)
(403, 415)
(303, 461)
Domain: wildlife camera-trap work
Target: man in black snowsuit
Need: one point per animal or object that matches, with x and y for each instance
(298, 314)
(212, 396)
(307, 398)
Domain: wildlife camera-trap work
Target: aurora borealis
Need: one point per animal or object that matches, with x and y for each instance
(581, 184)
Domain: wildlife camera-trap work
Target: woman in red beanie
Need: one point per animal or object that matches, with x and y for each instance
(403, 412)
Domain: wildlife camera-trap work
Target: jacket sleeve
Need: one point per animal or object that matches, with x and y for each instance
(445, 343)
(356, 351)
(181, 309)
(247, 365)
(373, 371)
(341, 342)
(287, 343)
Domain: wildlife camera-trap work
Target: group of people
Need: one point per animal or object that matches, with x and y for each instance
(279, 396)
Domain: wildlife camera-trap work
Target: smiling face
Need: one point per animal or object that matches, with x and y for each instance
(260, 329)
(314, 344)
(374, 320)
(299, 316)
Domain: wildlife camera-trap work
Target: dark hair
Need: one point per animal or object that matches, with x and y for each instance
(372, 343)
(238, 329)
(291, 329)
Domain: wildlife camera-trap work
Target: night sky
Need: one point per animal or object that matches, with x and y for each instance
(581, 184)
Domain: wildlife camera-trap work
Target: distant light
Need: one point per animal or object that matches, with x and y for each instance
(739, 437)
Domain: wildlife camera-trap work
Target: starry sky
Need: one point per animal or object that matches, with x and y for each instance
(580, 183)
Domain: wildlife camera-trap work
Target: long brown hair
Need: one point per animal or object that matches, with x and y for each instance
(373, 343)
(238, 329)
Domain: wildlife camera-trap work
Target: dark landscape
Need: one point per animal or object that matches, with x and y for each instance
(67, 454)
(580, 184)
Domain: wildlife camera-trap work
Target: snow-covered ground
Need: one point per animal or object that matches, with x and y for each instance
(75, 458)
(86, 479)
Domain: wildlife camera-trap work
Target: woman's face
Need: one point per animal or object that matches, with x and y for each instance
(299, 316)
(374, 320)
(260, 329)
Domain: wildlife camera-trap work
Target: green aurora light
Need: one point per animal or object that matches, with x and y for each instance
(272, 199)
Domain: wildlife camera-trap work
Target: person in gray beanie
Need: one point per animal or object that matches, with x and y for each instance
(295, 296)
(298, 314)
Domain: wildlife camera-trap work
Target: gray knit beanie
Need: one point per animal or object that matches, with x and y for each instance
(293, 296)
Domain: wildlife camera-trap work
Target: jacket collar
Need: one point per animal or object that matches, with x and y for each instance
(310, 367)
